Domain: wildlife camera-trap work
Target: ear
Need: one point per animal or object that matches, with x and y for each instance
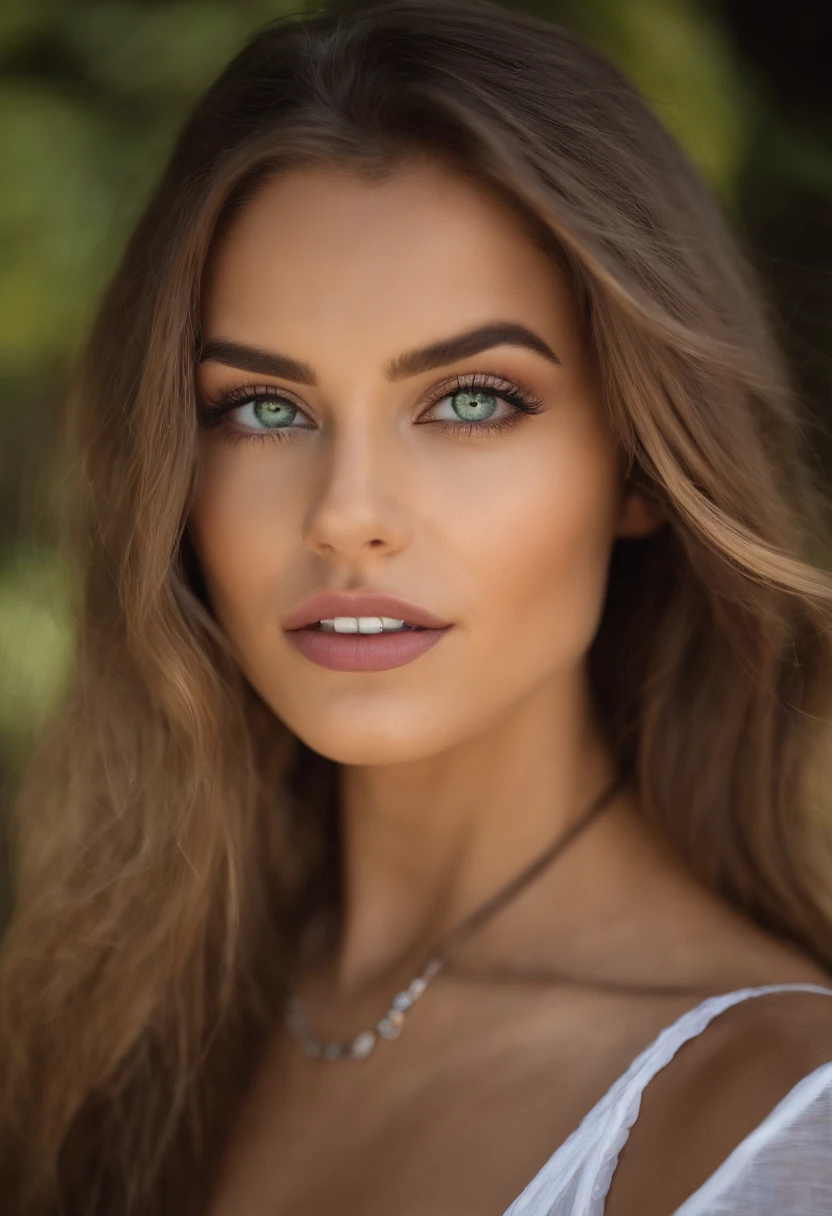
(640, 513)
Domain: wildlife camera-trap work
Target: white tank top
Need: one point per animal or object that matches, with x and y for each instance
(783, 1167)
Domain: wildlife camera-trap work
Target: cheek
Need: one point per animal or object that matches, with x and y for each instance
(243, 537)
(540, 554)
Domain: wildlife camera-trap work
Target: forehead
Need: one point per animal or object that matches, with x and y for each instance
(321, 256)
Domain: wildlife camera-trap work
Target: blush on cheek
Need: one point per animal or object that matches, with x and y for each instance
(553, 574)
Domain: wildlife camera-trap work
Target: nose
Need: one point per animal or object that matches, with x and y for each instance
(359, 497)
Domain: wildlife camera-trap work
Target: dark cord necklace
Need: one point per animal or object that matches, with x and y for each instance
(390, 1026)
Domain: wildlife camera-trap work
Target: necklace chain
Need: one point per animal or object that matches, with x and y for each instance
(390, 1026)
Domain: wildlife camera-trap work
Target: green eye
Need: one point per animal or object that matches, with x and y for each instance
(474, 405)
(259, 412)
(273, 413)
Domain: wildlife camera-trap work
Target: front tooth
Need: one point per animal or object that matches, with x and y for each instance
(345, 624)
(360, 624)
(370, 624)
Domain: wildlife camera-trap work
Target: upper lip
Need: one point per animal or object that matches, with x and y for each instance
(325, 605)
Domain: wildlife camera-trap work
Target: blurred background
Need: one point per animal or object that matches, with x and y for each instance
(91, 95)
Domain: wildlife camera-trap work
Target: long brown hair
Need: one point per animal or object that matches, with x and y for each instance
(171, 833)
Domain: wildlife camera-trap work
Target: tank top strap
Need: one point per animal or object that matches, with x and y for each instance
(579, 1172)
(663, 1048)
(691, 1024)
(619, 1109)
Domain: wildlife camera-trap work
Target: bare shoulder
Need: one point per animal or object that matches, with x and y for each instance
(717, 1089)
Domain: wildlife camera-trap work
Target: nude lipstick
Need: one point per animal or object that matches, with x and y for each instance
(362, 631)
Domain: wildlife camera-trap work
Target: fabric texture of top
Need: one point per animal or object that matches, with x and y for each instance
(782, 1167)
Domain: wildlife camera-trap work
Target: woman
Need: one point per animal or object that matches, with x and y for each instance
(435, 820)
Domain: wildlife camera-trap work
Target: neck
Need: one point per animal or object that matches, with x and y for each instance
(427, 842)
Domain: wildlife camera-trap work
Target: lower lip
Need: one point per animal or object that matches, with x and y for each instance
(364, 651)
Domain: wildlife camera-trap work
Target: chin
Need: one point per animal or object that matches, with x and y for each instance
(369, 745)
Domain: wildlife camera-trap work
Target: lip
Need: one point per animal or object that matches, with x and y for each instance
(364, 651)
(325, 605)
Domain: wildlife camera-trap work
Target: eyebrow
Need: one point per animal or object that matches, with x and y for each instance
(412, 363)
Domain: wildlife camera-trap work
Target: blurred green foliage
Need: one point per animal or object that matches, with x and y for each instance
(91, 95)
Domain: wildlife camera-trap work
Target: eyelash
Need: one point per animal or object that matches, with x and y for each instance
(215, 410)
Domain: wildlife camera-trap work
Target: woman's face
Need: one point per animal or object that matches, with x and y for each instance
(405, 479)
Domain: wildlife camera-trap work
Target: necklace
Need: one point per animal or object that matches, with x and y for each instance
(390, 1026)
